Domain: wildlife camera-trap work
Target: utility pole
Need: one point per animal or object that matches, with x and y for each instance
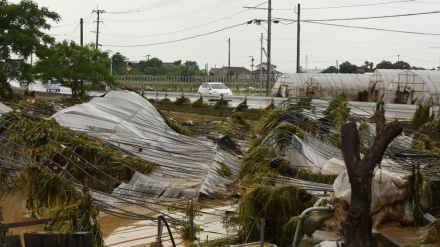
(97, 11)
(261, 63)
(398, 57)
(297, 41)
(81, 22)
(148, 57)
(229, 56)
(269, 26)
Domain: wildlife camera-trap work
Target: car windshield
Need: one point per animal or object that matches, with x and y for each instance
(218, 86)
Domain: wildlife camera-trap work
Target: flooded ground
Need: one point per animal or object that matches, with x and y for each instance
(121, 232)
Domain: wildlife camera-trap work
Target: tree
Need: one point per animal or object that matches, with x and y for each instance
(368, 66)
(118, 64)
(72, 65)
(192, 65)
(401, 65)
(384, 65)
(331, 69)
(22, 28)
(359, 223)
(347, 67)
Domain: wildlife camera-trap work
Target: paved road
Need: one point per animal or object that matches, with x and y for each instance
(253, 101)
(366, 109)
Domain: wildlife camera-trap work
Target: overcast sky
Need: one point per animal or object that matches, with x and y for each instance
(137, 28)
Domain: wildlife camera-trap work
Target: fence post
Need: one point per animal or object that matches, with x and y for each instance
(191, 220)
(262, 232)
(159, 231)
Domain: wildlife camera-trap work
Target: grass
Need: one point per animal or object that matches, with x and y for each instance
(48, 142)
(274, 204)
(235, 125)
(420, 117)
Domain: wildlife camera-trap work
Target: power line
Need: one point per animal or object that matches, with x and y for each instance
(367, 18)
(146, 8)
(372, 28)
(359, 5)
(177, 40)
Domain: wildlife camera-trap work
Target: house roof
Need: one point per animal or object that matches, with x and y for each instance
(213, 70)
(236, 70)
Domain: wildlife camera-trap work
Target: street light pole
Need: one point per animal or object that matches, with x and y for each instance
(127, 69)
(252, 66)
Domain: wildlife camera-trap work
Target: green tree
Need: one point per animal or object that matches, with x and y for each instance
(401, 65)
(347, 67)
(22, 28)
(331, 69)
(154, 63)
(118, 64)
(384, 65)
(72, 65)
(192, 65)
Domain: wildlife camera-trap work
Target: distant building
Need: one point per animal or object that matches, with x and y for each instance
(168, 64)
(14, 63)
(311, 71)
(237, 72)
(264, 65)
(212, 71)
(258, 72)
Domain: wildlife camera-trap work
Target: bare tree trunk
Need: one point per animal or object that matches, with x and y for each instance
(360, 173)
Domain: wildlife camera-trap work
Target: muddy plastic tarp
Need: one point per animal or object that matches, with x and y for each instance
(386, 188)
(4, 109)
(188, 165)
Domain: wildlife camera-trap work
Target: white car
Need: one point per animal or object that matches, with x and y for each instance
(217, 88)
(53, 85)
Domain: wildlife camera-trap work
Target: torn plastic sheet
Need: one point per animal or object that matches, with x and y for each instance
(128, 121)
(4, 109)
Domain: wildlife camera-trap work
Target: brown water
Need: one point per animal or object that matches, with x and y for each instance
(13, 210)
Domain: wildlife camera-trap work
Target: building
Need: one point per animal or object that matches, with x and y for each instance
(237, 72)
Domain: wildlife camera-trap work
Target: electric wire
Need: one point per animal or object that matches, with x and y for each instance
(372, 28)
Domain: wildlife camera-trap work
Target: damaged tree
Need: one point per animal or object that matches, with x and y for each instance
(360, 172)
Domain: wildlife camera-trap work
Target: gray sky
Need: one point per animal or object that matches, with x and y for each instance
(137, 28)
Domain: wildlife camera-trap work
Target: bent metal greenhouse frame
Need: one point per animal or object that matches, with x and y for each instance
(414, 87)
(379, 82)
(326, 86)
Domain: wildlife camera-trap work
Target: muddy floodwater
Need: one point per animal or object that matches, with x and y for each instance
(121, 232)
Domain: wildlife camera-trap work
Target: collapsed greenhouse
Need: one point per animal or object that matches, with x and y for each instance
(414, 87)
(379, 81)
(188, 166)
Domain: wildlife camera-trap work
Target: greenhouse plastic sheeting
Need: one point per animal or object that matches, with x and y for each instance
(188, 165)
(291, 84)
(414, 87)
(4, 109)
(311, 153)
(326, 86)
